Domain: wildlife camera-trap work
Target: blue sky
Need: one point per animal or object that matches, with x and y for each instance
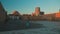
(28, 6)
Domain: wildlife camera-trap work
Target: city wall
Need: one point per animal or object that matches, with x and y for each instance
(37, 18)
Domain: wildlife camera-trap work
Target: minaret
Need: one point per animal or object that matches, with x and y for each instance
(59, 10)
(3, 14)
(37, 11)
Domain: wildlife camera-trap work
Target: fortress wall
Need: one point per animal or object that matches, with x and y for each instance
(36, 18)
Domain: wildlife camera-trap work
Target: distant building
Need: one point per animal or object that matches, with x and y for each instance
(15, 13)
(26, 15)
(41, 13)
(37, 12)
(3, 14)
(57, 15)
(14, 16)
(33, 14)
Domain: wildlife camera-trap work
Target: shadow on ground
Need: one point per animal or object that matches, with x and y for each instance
(17, 25)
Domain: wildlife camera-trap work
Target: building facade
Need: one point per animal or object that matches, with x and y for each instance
(14, 16)
(3, 14)
(57, 15)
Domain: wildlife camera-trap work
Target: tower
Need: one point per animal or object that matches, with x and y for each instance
(59, 10)
(3, 14)
(37, 11)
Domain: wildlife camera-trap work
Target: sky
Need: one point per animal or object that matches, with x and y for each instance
(28, 6)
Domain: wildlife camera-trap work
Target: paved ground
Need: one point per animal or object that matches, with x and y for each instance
(19, 25)
(50, 28)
